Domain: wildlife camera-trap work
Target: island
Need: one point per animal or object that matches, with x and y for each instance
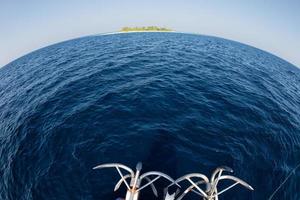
(148, 28)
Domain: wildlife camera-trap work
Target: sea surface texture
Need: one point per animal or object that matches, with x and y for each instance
(180, 103)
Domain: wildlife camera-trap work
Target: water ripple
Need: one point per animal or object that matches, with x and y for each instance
(178, 102)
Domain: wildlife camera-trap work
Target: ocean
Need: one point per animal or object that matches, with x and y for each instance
(179, 103)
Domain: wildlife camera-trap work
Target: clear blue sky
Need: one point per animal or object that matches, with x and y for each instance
(272, 25)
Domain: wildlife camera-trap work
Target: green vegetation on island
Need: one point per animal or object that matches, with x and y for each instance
(148, 28)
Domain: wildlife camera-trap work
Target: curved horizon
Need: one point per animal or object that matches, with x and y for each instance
(268, 25)
(129, 32)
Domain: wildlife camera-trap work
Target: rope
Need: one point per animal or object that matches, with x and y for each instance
(289, 175)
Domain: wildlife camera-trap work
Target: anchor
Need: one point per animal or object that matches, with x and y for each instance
(136, 179)
(210, 191)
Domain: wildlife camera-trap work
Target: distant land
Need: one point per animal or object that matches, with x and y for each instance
(148, 28)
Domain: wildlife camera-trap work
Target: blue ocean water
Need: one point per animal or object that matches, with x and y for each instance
(180, 103)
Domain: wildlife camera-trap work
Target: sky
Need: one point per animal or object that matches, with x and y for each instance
(271, 25)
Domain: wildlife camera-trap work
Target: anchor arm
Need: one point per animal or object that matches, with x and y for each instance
(117, 166)
(196, 175)
(159, 174)
(194, 185)
(109, 165)
(153, 173)
(128, 176)
(121, 181)
(214, 181)
(191, 189)
(220, 170)
(152, 186)
(237, 181)
(149, 183)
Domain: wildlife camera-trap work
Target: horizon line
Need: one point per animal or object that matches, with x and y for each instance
(147, 31)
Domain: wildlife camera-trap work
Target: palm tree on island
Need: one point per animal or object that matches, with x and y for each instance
(148, 28)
